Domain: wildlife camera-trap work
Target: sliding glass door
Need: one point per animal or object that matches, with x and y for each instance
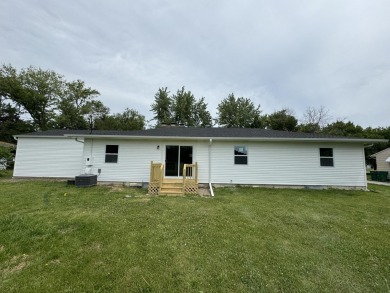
(175, 158)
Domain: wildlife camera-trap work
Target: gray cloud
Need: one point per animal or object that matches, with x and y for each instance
(291, 54)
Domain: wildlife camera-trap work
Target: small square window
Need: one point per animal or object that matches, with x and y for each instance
(326, 152)
(326, 157)
(111, 153)
(240, 155)
(112, 149)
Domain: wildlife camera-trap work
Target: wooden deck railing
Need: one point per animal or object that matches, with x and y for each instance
(190, 178)
(156, 177)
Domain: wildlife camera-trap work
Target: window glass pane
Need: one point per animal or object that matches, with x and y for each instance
(326, 162)
(326, 152)
(111, 158)
(171, 160)
(112, 149)
(241, 160)
(240, 150)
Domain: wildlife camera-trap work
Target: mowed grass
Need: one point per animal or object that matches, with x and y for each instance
(58, 238)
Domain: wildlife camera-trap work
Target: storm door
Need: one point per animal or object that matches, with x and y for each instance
(175, 158)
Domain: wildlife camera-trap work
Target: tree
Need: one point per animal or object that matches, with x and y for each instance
(11, 122)
(181, 108)
(240, 112)
(7, 155)
(340, 128)
(47, 97)
(94, 111)
(162, 107)
(128, 120)
(282, 120)
(201, 116)
(72, 105)
(37, 91)
(314, 119)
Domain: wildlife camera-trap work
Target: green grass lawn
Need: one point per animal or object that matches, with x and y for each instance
(58, 238)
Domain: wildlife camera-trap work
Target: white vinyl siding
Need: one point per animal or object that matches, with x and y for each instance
(269, 163)
(48, 157)
(134, 158)
(288, 163)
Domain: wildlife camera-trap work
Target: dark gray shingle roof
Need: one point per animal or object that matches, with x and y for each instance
(193, 133)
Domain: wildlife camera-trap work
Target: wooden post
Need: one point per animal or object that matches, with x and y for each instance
(160, 177)
(184, 177)
(151, 172)
(196, 172)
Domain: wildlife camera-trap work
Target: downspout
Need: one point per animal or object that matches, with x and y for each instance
(210, 186)
(364, 167)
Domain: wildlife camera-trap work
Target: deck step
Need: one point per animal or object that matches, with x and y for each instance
(170, 192)
(171, 187)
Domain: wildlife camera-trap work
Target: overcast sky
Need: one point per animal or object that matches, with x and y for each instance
(278, 53)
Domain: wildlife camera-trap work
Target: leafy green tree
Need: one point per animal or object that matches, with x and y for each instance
(94, 111)
(11, 122)
(181, 108)
(340, 128)
(238, 112)
(187, 111)
(128, 120)
(72, 105)
(7, 155)
(201, 116)
(282, 120)
(37, 91)
(162, 107)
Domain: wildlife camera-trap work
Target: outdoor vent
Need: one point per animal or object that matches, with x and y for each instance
(86, 180)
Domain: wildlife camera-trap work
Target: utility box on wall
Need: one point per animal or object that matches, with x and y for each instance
(88, 161)
(86, 180)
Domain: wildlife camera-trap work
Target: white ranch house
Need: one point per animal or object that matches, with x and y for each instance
(216, 155)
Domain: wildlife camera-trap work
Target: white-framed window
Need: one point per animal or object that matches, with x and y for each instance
(240, 155)
(326, 157)
(112, 153)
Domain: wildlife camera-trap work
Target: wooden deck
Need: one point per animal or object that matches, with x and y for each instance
(171, 186)
(159, 184)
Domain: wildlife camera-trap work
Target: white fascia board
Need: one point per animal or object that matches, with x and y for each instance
(39, 136)
(348, 140)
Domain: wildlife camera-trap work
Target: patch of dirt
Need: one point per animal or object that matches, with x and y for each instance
(8, 180)
(53, 262)
(144, 199)
(204, 192)
(116, 188)
(16, 264)
(96, 246)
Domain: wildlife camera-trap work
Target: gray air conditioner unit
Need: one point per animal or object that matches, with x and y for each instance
(86, 180)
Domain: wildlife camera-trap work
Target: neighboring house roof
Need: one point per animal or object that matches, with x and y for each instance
(201, 133)
(382, 151)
